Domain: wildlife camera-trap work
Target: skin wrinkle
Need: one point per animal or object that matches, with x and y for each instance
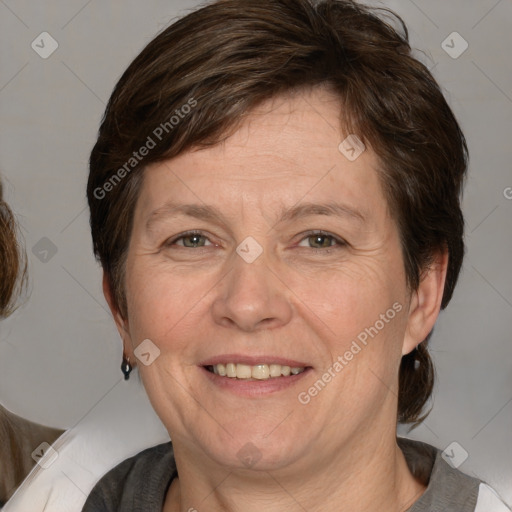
(172, 210)
(341, 447)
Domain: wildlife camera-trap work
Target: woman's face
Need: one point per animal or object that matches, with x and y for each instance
(296, 263)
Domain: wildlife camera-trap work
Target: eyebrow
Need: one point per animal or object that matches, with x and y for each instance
(213, 214)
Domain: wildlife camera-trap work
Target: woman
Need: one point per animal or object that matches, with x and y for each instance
(19, 438)
(275, 202)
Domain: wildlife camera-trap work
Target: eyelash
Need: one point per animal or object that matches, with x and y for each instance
(340, 243)
(326, 250)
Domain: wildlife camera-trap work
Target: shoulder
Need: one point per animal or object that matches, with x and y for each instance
(140, 481)
(448, 488)
(19, 438)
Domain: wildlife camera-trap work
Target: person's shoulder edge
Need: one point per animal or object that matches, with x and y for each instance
(109, 490)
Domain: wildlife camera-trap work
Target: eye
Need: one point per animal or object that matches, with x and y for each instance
(189, 240)
(321, 240)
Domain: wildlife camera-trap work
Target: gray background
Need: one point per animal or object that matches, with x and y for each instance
(60, 353)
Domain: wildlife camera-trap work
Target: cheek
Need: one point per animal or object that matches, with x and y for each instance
(352, 296)
(162, 303)
(359, 314)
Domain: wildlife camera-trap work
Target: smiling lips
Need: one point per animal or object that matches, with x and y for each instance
(260, 371)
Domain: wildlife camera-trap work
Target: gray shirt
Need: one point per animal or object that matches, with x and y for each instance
(140, 484)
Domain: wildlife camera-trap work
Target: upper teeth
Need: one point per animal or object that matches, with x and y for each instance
(258, 371)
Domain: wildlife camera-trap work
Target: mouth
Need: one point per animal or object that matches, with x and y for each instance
(254, 376)
(259, 371)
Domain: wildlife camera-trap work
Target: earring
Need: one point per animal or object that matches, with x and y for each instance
(417, 362)
(126, 367)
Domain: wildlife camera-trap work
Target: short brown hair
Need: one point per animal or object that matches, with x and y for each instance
(13, 262)
(230, 56)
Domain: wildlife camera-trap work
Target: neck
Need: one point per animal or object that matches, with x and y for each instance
(365, 475)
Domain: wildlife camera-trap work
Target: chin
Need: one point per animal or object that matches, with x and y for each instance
(256, 446)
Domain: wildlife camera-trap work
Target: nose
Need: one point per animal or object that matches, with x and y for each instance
(251, 297)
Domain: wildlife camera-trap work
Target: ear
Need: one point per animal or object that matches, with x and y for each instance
(121, 322)
(426, 303)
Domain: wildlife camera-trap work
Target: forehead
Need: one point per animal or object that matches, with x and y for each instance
(283, 152)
